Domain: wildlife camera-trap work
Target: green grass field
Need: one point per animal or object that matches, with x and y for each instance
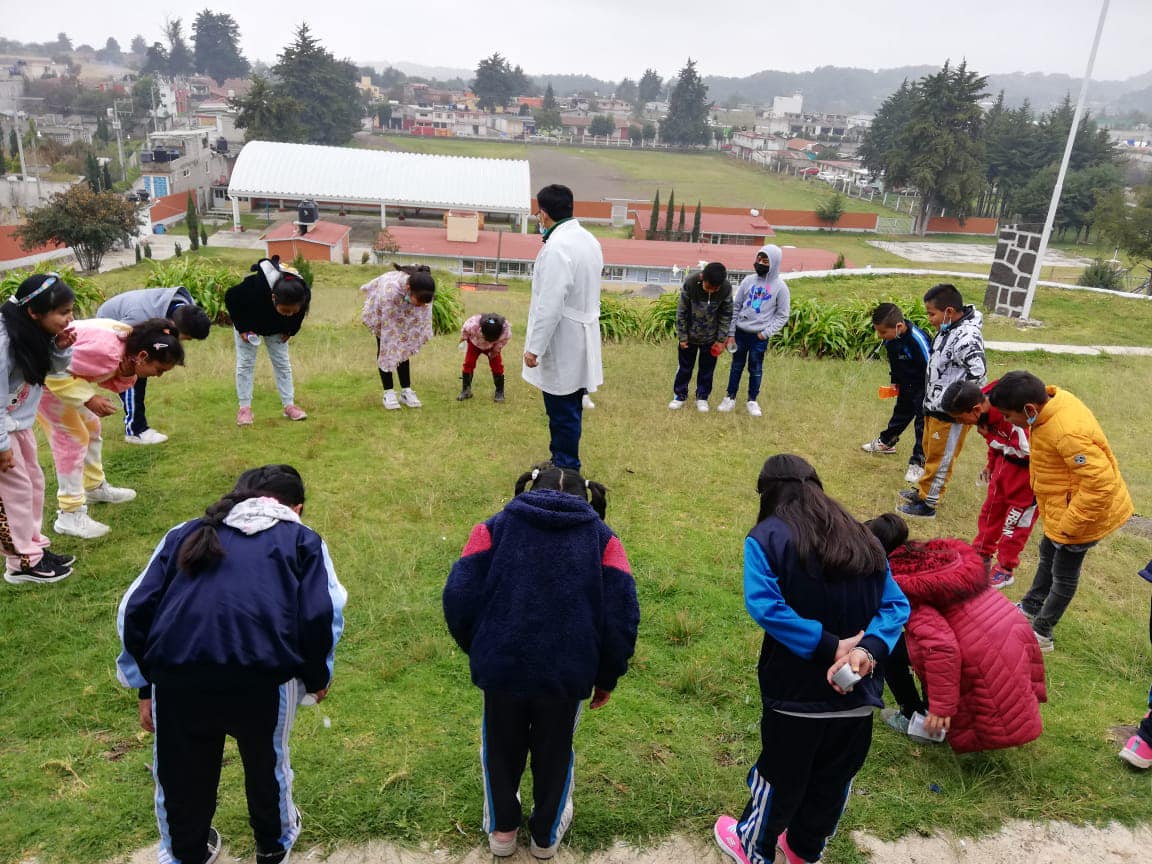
(395, 495)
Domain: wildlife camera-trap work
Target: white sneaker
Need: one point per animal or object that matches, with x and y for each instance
(586, 402)
(754, 409)
(702, 406)
(408, 397)
(148, 436)
(105, 494)
(77, 523)
(675, 404)
(726, 404)
(914, 473)
(390, 400)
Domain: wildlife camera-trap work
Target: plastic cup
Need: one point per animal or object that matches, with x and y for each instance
(845, 678)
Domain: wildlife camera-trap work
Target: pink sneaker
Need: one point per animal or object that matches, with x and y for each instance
(294, 413)
(1137, 753)
(728, 841)
(784, 849)
(244, 417)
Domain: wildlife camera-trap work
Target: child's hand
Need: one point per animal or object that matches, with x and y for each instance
(284, 337)
(935, 724)
(66, 337)
(847, 645)
(146, 722)
(100, 406)
(599, 698)
(717, 349)
(985, 476)
(683, 344)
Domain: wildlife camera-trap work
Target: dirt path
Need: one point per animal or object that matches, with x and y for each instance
(1017, 843)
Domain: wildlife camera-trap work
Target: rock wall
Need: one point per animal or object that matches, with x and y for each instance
(1011, 269)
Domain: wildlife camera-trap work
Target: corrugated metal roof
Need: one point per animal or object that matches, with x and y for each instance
(272, 169)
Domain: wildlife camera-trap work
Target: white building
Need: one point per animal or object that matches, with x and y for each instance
(782, 105)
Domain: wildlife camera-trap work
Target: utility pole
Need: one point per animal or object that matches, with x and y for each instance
(119, 141)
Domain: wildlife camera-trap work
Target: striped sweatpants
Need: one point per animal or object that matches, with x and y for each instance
(943, 441)
(191, 724)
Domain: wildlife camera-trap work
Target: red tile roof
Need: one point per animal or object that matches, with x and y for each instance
(799, 144)
(10, 248)
(175, 204)
(327, 233)
(618, 252)
(742, 223)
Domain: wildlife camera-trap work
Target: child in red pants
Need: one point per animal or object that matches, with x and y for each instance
(485, 334)
(1009, 511)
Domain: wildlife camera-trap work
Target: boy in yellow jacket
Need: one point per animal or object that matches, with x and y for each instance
(1079, 491)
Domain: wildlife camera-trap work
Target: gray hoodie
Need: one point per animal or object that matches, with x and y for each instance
(23, 398)
(136, 307)
(762, 304)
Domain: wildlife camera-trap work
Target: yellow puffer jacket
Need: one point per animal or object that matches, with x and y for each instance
(1079, 491)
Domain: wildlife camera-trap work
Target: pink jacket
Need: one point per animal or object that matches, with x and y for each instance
(974, 650)
(96, 357)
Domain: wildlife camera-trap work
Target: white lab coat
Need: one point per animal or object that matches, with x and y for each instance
(564, 318)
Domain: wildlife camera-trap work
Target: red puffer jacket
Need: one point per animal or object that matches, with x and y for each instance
(971, 647)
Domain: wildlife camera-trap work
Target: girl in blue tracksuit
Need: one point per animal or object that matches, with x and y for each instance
(234, 620)
(542, 601)
(818, 582)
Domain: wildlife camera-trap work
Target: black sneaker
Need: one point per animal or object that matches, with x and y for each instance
(63, 560)
(919, 509)
(910, 495)
(42, 571)
(214, 844)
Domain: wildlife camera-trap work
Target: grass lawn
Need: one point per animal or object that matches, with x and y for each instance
(395, 495)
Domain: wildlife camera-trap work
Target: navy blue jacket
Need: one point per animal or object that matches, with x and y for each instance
(804, 617)
(271, 610)
(542, 600)
(908, 357)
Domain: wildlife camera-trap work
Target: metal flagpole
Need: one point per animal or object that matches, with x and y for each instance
(1079, 114)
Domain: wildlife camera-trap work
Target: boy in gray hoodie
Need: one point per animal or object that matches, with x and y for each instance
(760, 310)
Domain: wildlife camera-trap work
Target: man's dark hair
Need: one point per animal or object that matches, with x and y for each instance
(715, 273)
(887, 315)
(556, 201)
(961, 397)
(192, 321)
(890, 530)
(944, 296)
(1016, 389)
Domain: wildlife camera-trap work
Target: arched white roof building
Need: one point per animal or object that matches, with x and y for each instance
(347, 175)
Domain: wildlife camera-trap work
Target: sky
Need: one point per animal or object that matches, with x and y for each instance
(611, 39)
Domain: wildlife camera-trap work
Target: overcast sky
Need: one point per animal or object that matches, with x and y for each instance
(614, 38)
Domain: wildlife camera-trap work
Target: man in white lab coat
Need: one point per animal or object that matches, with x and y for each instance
(562, 345)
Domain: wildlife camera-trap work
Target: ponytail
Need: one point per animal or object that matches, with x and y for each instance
(549, 476)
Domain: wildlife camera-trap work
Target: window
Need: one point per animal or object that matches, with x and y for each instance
(613, 274)
(467, 265)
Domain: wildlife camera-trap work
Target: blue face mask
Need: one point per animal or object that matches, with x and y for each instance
(1030, 418)
(540, 229)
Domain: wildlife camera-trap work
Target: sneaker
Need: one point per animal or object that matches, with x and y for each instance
(281, 857)
(244, 417)
(1001, 577)
(726, 838)
(726, 404)
(1047, 643)
(586, 401)
(105, 494)
(63, 560)
(675, 404)
(1020, 606)
(408, 397)
(783, 849)
(390, 400)
(214, 846)
(77, 523)
(502, 843)
(914, 473)
(754, 409)
(43, 571)
(294, 412)
(1137, 753)
(894, 719)
(910, 495)
(702, 406)
(148, 436)
(919, 509)
(542, 853)
(877, 446)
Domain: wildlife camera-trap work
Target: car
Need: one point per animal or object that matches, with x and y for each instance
(809, 172)
(827, 177)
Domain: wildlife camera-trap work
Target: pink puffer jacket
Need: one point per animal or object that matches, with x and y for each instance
(974, 650)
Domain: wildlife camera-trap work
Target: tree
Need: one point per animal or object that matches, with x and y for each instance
(92, 171)
(635, 134)
(1130, 228)
(648, 90)
(547, 120)
(203, 236)
(139, 46)
(63, 43)
(654, 219)
(192, 222)
(105, 176)
(668, 216)
(830, 209)
(155, 60)
(687, 120)
(13, 142)
(179, 57)
(696, 224)
(549, 103)
(384, 115)
(101, 134)
(493, 84)
(519, 83)
(88, 222)
(216, 46)
(649, 131)
(110, 53)
(267, 114)
(627, 90)
(602, 125)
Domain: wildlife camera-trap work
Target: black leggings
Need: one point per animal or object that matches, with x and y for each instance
(403, 372)
(900, 680)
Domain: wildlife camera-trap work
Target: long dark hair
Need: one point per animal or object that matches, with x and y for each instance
(548, 476)
(31, 344)
(421, 284)
(201, 549)
(822, 530)
(158, 338)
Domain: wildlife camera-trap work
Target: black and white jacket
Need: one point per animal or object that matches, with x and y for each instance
(957, 355)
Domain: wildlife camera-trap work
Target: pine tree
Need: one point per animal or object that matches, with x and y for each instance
(13, 143)
(654, 220)
(687, 120)
(105, 176)
(92, 171)
(549, 103)
(139, 255)
(680, 223)
(670, 215)
(696, 224)
(216, 46)
(192, 223)
(203, 236)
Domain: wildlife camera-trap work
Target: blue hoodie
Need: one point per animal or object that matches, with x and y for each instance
(762, 303)
(542, 600)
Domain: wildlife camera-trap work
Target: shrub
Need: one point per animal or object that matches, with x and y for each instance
(88, 295)
(179, 250)
(139, 254)
(1101, 274)
(364, 256)
(619, 319)
(659, 321)
(203, 236)
(205, 279)
(839, 263)
(447, 309)
(302, 266)
(831, 209)
(148, 251)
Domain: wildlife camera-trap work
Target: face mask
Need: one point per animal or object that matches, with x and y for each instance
(1029, 418)
(540, 229)
(761, 269)
(947, 323)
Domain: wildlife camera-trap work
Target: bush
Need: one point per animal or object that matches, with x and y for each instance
(831, 209)
(447, 309)
(139, 254)
(205, 279)
(1101, 274)
(302, 266)
(619, 319)
(839, 263)
(147, 250)
(203, 236)
(659, 321)
(88, 295)
(179, 250)
(364, 256)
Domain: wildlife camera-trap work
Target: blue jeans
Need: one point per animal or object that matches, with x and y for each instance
(565, 419)
(750, 348)
(684, 373)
